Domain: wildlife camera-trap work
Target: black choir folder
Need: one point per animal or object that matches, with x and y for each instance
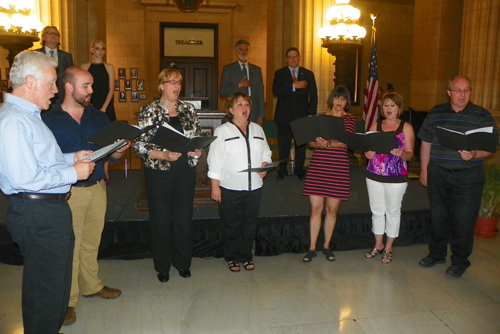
(307, 129)
(266, 168)
(116, 130)
(380, 142)
(107, 138)
(482, 139)
(174, 141)
(270, 166)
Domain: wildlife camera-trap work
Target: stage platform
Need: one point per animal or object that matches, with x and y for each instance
(283, 221)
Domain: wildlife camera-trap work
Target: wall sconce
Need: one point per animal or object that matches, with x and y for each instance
(18, 30)
(342, 38)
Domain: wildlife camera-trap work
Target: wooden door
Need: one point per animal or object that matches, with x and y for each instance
(199, 79)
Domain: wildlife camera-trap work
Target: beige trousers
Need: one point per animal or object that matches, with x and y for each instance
(88, 206)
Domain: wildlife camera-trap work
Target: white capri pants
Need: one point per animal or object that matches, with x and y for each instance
(385, 204)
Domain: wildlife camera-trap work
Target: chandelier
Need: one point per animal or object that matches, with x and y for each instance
(342, 38)
(18, 30)
(343, 25)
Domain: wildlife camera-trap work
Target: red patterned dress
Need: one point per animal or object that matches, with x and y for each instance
(328, 173)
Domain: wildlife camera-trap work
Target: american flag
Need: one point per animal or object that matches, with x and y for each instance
(371, 98)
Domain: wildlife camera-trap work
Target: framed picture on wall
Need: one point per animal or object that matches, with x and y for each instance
(117, 84)
(122, 96)
(207, 132)
(140, 84)
(4, 85)
(134, 97)
(143, 96)
(7, 71)
(128, 85)
(121, 73)
(134, 73)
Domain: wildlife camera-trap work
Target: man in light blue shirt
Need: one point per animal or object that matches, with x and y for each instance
(37, 177)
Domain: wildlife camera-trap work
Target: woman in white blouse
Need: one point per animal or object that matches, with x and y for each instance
(240, 145)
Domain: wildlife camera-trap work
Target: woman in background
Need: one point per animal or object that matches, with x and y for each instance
(328, 175)
(103, 87)
(104, 80)
(170, 177)
(240, 145)
(387, 176)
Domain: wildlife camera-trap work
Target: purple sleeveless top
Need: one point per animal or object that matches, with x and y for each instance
(388, 167)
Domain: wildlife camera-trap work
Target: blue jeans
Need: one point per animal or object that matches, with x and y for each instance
(455, 198)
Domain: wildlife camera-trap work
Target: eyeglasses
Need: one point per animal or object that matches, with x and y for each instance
(341, 98)
(460, 91)
(293, 57)
(242, 50)
(173, 82)
(52, 33)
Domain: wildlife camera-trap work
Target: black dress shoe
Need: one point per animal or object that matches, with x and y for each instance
(185, 273)
(163, 277)
(429, 261)
(455, 271)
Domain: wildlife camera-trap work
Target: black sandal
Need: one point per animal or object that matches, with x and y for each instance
(372, 253)
(329, 255)
(309, 256)
(249, 265)
(386, 257)
(234, 266)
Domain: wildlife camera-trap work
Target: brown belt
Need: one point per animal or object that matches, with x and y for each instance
(42, 197)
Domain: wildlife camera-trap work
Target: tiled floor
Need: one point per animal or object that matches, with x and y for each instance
(283, 295)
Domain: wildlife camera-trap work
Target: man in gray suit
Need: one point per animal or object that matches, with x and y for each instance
(50, 46)
(241, 76)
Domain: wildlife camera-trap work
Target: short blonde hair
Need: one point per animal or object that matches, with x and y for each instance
(97, 41)
(166, 75)
(44, 30)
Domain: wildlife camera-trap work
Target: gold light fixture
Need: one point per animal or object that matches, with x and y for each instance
(18, 30)
(343, 25)
(342, 38)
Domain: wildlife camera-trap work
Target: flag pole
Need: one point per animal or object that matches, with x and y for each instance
(370, 109)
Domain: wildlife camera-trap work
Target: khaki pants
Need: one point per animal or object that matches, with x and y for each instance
(88, 206)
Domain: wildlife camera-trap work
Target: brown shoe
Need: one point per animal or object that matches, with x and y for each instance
(70, 316)
(106, 293)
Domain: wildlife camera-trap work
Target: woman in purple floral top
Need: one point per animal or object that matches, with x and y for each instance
(386, 176)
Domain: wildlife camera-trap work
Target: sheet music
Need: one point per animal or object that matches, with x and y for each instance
(168, 126)
(101, 153)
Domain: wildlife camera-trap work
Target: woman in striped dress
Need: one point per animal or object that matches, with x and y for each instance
(328, 175)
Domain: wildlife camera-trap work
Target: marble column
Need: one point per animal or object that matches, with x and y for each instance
(436, 45)
(480, 51)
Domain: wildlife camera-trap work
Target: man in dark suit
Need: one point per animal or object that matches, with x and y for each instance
(241, 76)
(295, 88)
(50, 46)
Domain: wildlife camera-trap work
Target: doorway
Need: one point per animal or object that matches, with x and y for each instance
(199, 72)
